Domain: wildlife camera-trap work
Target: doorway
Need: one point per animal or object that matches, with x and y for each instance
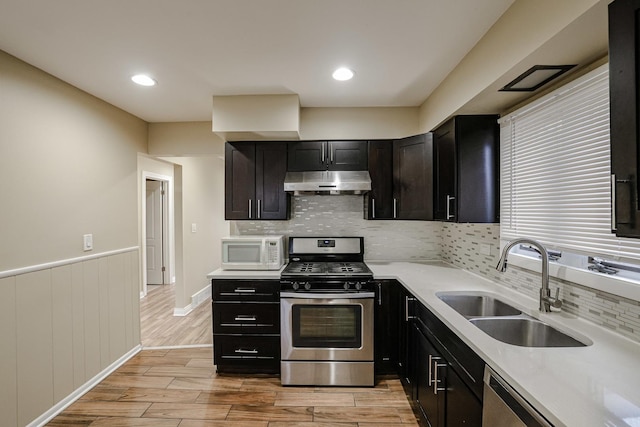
(157, 265)
(156, 232)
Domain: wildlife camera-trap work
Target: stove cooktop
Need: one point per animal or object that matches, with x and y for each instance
(301, 269)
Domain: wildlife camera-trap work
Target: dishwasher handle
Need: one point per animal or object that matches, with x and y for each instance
(502, 401)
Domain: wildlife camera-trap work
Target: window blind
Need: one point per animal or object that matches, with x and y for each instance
(555, 171)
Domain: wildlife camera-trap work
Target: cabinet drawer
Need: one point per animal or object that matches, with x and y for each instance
(246, 290)
(246, 318)
(246, 353)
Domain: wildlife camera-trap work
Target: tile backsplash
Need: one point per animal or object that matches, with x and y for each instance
(457, 244)
(344, 216)
(461, 247)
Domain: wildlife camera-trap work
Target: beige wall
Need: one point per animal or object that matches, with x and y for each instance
(358, 123)
(519, 33)
(67, 168)
(200, 154)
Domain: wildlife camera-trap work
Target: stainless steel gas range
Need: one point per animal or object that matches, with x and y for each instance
(327, 313)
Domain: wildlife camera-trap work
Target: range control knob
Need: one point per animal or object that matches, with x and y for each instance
(358, 285)
(295, 286)
(346, 285)
(307, 285)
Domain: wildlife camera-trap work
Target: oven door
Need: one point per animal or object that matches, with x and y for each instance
(327, 327)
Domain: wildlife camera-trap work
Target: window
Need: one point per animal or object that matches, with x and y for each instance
(555, 171)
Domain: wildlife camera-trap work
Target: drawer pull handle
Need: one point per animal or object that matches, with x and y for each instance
(245, 290)
(437, 380)
(242, 317)
(246, 351)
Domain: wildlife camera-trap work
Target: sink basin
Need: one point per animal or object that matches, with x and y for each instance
(477, 305)
(525, 332)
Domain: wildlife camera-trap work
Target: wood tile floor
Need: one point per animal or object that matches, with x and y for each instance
(179, 387)
(160, 328)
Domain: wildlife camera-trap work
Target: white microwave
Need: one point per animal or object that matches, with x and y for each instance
(253, 252)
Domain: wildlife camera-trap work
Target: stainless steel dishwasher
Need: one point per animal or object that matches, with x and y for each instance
(502, 406)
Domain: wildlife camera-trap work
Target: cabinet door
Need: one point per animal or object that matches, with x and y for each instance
(463, 408)
(406, 345)
(240, 187)
(624, 75)
(477, 180)
(413, 177)
(307, 156)
(431, 378)
(380, 197)
(271, 167)
(347, 155)
(444, 164)
(386, 327)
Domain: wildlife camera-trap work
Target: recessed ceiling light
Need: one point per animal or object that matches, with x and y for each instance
(143, 80)
(342, 74)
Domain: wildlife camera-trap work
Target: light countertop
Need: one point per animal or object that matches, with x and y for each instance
(597, 385)
(246, 274)
(593, 386)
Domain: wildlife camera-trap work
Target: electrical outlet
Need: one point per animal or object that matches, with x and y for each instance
(87, 242)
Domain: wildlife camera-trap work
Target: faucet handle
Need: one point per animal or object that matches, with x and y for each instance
(556, 301)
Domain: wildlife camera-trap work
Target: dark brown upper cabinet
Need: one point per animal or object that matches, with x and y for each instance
(413, 177)
(466, 165)
(624, 86)
(401, 178)
(327, 155)
(254, 181)
(380, 198)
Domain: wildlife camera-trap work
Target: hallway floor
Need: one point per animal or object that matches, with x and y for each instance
(160, 328)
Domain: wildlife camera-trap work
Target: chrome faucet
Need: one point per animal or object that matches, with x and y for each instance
(546, 300)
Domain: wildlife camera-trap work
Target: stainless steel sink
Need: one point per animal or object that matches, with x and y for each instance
(477, 305)
(506, 323)
(525, 332)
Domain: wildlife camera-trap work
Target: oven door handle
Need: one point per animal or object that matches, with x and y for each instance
(336, 295)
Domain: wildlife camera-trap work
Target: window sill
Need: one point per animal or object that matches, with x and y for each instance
(619, 286)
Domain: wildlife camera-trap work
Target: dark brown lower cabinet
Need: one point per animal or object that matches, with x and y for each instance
(463, 407)
(246, 326)
(441, 375)
(386, 327)
(431, 381)
(247, 354)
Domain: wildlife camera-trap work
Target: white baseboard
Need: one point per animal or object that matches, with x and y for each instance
(77, 393)
(198, 298)
(182, 311)
(201, 296)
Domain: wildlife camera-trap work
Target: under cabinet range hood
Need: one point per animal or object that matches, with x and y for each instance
(327, 182)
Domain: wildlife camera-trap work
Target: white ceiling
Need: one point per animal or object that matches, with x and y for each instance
(400, 49)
